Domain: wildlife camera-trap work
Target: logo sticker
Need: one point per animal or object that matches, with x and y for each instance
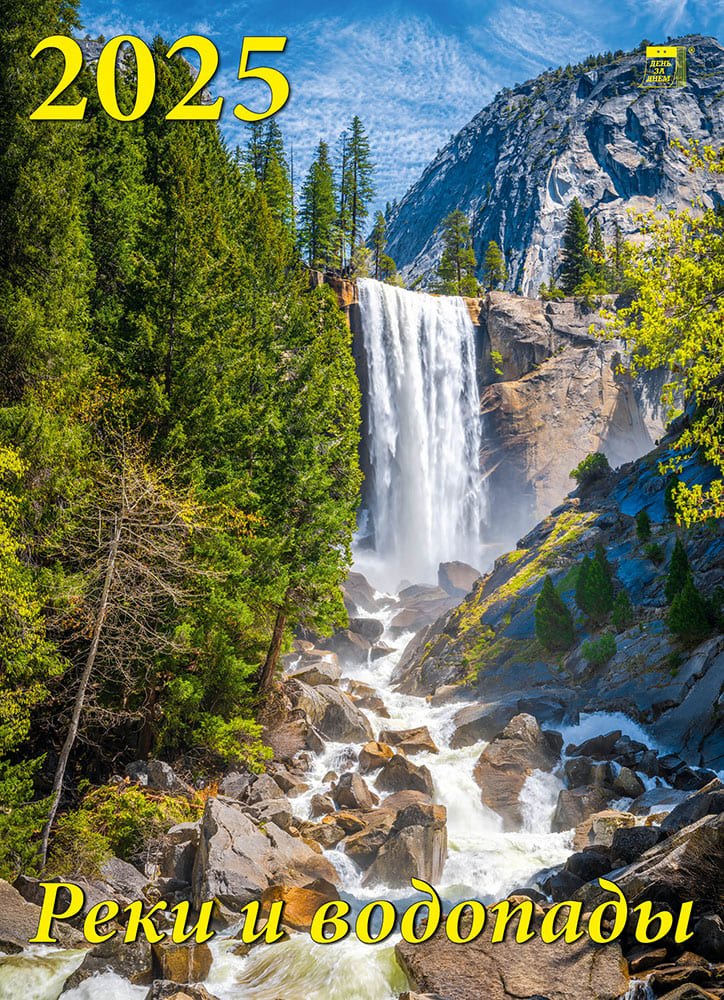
(665, 66)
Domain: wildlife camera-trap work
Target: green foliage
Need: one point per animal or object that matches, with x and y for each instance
(592, 467)
(496, 359)
(553, 621)
(675, 321)
(383, 266)
(679, 571)
(599, 651)
(654, 552)
(456, 270)
(670, 493)
(551, 292)
(116, 820)
(594, 587)
(318, 212)
(495, 273)
(688, 616)
(623, 615)
(356, 188)
(643, 526)
(576, 260)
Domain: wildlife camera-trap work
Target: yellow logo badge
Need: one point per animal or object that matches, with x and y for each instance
(665, 66)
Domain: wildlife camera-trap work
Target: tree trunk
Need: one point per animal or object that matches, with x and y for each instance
(266, 674)
(82, 687)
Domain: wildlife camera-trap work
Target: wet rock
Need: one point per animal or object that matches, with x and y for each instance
(415, 847)
(369, 628)
(159, 775)
(363, 847)
(359, 594)
(381, 649)
(643, 958)
(300, 902)
(400, 774)
(349, 646)
(598, 747)
(331, 711)
(689, 992)
(481, 722)
(506, 970)
(657, 800)
(690, 779)
(374, 755)
(326, 835)
(291, 784)
(628, 784)
(589, 864)
(709, 801)
(164, 989)
(409, 741)
(19, 922)
(504, 765)
(629, 843)
(457, 578)
(352, 792)
(576, 805)
(604, 825)
(182, 963)
(688, 971)
(321, 805)
(131, 961)
(562, 885)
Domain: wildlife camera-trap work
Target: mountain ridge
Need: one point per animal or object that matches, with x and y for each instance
(587, 132)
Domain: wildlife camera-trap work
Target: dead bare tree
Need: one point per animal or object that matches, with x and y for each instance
(130, 543)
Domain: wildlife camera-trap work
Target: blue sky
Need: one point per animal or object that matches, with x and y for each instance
(414, 72)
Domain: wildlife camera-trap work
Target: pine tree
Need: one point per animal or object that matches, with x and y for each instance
(688, 615)
(553, 621)
(383, 266)
(456, 271)
(594, 588)
(495, 273)
(622, 616)
(643, 526)
(317, 214)
(582, 582)
(678, 572)
(576, 261)
(357, 188)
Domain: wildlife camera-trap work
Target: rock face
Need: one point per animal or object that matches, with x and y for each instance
(507, 970)
(19, 922)
(508, 760)
(516, 167)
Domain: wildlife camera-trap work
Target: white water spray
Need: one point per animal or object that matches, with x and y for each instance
(426, 498)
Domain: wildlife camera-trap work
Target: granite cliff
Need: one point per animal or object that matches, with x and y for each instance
(590, 132)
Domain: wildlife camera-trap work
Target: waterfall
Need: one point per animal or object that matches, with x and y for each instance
(424, 495)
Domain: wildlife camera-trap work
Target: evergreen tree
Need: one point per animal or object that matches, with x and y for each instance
(383, 266)
(594, 591)
(456, 270)
(643, 526)
(622, 616)
(317, 215)
(495, 273)
(582, 583)
(688, 615)
(553, 621)
(678, 572)
(576, 261)
(356, 184)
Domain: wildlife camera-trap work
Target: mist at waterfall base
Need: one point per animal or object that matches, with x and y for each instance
(424, 501)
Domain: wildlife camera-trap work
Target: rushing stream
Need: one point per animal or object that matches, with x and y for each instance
(427, 505)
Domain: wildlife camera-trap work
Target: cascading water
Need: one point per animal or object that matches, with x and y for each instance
(425, 495)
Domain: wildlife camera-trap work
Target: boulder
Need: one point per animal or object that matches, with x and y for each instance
(159, 775)
(359, 594)
(320, 805)
(332, 712)
(369, 628)
(125, 880)
(300, 902)
(598, 747)
(235, 784)
(709, 937)
(457, 578)
(164, 989)
(133, 962)
(708, 801)
(374, 755)
(507, 970)
(576, 805)
(589, 864)
(182, 963)
(263, 788)
(400, 774)
(504, 765)
(326, 835)
(628, 784)
(319, 668)
(480, 722)
(352, 792)
(657, 800)
(409, 741)
(604, 825)
(686, 865)
(415, 847)
(277, 811)
(629, 843)
(349, 646)
(561, 885)
(178, 851)
(19, 922)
